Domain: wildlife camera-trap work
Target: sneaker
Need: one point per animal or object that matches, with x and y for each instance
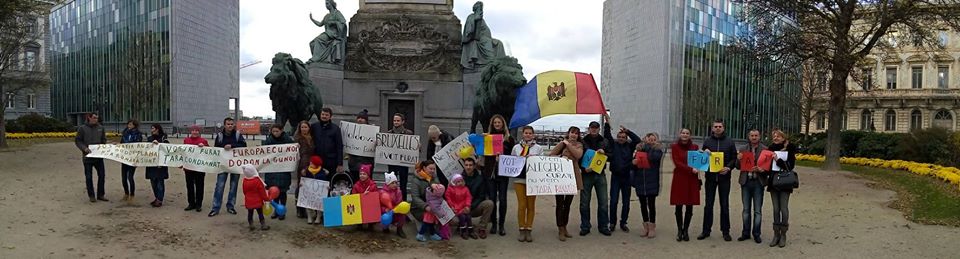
(743, 237)
(584, 232)
(101, 198)
(605, 232)
(727, 237)
(436, 237)
(232, 211)
(625, 228)
(421, 238)
(92, 199)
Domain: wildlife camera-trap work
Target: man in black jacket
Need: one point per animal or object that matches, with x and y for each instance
(621, 155)
(596, 181)
(92, 133)
(718, 142)
(480, 206)
(327, 141)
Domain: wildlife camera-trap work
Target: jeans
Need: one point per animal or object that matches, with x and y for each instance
(497, 192)
(218, 190)
(781, 207)
(526, 206)
(88, 165)
(126, 178)
(158, 188)
(596, 182)
(194, 188)
(619, 191)
(752, 194)
(712, 184)
(563, 209)
(648, 208)
(402, 175)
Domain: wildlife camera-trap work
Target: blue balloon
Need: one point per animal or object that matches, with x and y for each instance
(386, 219)
(279, 209)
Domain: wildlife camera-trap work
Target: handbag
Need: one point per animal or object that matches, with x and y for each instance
(785, 180)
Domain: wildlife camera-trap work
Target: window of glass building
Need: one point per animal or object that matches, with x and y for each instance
(943, 77)
(891, 78)
(916, 81)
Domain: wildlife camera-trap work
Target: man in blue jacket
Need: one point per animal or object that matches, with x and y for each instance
(620, 156)
(328, 142)
(228, 139)
(718, 142)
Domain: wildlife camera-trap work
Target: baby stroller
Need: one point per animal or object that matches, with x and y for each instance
(340, 184)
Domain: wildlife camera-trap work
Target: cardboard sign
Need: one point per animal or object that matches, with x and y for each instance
(132, 154)
(716, 162)
(747, 161)
(643, 162)
(448, 158)
(779, 155)
(445, 214)
(359, 139)
(511, 166)
(312, 193)
(397, 149)
(765, 160)
(248, 127)
(593, 160)
(698, 160)
(548, 175)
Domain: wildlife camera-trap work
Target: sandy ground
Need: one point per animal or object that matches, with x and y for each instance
(45, 214)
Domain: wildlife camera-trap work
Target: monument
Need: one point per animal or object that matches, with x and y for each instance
(411, 57)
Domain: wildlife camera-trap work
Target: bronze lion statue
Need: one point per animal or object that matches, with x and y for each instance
(293, 96)
(497, 93)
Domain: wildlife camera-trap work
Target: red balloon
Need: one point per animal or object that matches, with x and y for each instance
(386, 201)
(274, 192)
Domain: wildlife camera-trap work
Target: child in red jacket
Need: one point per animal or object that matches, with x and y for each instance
(365, 185)
(459, 198)
(254, 194)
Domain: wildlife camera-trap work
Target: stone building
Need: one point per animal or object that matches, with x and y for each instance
(904, 90)
(31, 93)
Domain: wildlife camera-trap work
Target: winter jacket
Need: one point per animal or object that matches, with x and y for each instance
(459, 198)
(158, 172)
(729, 149)
(234, 139)
(477, 187)
(745, 172)
(620, 155)
(396, 196)
(532, 149)
(306, 151)
(789, 164)
(685, 188)
(418, 195)
(435, 201)
(280, 179)
(432, 147)
(574, 153)
(254, 193)
(196, 141)
(364, 186)
(328, 143)
(323, 175)
(647, 181)
(90, 135)
(131, 136)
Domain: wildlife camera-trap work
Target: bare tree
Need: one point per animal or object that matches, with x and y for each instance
(839, 35)
(139, 77)
(21, 26)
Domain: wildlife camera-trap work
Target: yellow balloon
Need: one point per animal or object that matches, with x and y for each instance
(466, 151)
(402, 208)
(267, 209)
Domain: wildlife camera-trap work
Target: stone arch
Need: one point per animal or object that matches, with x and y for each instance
(943, 118)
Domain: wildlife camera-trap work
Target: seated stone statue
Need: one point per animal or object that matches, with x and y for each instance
(478, 45)
(329, 46)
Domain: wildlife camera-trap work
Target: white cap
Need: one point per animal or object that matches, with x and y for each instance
(390, 178)
(249, 170)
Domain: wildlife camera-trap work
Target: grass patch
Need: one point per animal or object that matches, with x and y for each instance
(922, 199)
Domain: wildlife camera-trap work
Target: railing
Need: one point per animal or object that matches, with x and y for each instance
(905, 93)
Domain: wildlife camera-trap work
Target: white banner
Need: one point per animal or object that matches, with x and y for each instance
(448, 158)
(359, 139)
(267, 159)
(510, 166)
(132, 154)
(190, 157)
(548, 175)
(312, 192)
(397, 149)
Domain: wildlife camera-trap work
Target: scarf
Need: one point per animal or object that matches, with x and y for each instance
(424, 175)
(314, 170)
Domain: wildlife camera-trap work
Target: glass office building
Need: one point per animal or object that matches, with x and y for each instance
(158, 61)
(668, 64)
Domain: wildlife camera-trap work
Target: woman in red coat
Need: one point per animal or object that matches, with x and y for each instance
(685, 189)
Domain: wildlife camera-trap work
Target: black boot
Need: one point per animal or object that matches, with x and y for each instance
(301, 213)
(776, 235)
(783, 235)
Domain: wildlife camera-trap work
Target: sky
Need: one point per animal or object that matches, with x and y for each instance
(542, 34)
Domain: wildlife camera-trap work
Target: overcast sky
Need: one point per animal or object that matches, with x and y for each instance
(542, 34)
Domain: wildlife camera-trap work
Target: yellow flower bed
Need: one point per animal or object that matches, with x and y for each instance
(51, 135)
(948, 174)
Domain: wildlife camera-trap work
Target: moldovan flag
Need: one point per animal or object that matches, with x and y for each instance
(556, 92)
(351, 209)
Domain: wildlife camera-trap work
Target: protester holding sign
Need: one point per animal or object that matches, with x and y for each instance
(354, 161)
(526, 205)
(279, 179)
(403, 172)
(685, 188)
(157, 175)
(621, 154)
(194, 179)
(781, 196)
(572, 149)
(595, 181)
(315, 171)
(752, 179)
(90, 134)
(305, 138)
(646, 181)
(437, 140)
(131, 134)
(719, 180)
(328, 143)
(227, 139)
(497, 184)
